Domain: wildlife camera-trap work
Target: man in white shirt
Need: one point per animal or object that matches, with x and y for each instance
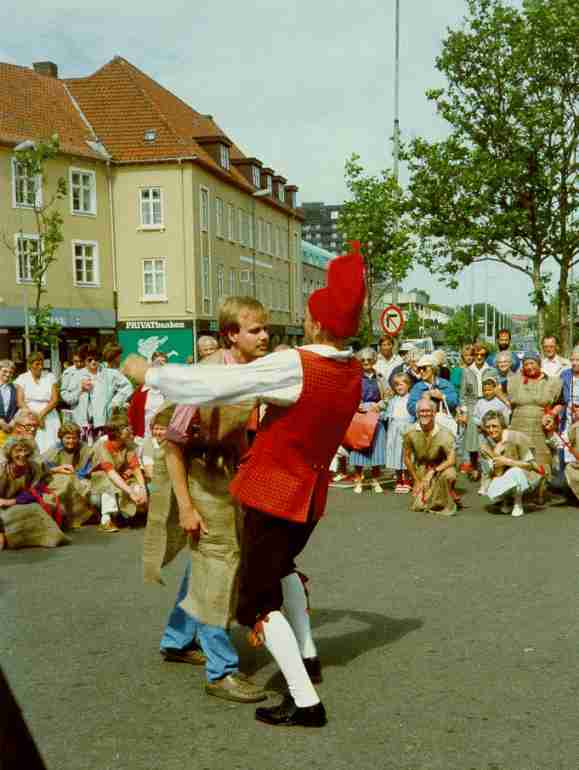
(552, 363)
(387, 360)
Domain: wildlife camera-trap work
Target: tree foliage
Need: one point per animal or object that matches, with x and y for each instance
(376, 216)
(43, 329)
(459, 330)
(503, 186)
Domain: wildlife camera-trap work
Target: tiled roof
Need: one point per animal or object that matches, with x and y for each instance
(34, 106)
(122, 104)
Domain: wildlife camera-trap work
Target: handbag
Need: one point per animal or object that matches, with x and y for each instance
(444, 419)
(361, 430)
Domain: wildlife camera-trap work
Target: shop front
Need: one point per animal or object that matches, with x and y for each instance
(78, 326)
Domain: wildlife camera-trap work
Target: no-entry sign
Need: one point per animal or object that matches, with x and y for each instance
(392, 320)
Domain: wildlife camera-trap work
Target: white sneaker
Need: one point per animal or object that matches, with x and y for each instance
(358, 488)
(483, 489)
(517, 510)
(376, 487)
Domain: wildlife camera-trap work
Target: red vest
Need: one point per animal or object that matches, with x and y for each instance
(136, 411)
(286, 472)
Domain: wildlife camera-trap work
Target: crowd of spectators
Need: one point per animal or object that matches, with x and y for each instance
(85, 448)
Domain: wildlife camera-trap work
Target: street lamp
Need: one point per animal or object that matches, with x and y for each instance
(256, 194)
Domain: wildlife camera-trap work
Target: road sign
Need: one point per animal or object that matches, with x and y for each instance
(392, 320)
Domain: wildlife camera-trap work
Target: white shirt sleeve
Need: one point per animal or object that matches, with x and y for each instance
(276, 379)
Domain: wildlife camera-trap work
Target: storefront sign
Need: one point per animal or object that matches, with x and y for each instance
(174, 338)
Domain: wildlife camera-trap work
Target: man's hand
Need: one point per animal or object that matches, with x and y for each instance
(437, 394)
(136, 367)
(502, 462)
(66, 469)
(192, 522)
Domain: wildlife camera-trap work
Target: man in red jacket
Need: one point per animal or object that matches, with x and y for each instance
(312, 395)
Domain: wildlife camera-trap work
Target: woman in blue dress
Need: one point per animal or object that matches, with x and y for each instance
(373, 392)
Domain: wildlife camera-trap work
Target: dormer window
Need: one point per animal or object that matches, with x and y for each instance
(256, 176)
(281, 193)
(224, 156)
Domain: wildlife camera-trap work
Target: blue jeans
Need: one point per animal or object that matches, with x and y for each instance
(184, 631)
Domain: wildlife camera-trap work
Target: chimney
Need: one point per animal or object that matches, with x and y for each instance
(47, 68)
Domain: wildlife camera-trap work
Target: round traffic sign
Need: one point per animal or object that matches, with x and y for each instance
(392, 320)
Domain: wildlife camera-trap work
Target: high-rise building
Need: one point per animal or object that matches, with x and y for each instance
(321, 226)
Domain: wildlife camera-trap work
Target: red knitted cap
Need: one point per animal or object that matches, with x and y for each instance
(337, 307)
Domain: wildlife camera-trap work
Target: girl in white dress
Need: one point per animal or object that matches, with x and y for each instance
(38, 391)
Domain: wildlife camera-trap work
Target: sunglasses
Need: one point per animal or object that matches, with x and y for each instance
(423, 368)
(367, 360)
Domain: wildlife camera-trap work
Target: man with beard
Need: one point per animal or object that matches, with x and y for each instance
(504, 344)
(312, 394)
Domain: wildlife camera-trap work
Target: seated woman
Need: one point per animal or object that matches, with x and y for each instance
(26, 507)
(70, 463)
(510, 464)
(117, 476)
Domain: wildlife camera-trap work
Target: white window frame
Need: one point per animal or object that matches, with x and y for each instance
(204, 212)
(268, 183)
(256, 176)
(158, 297)
(231, 222)
(18, 238)
(154, 225)
(232, 282)
(269, 238)
(224, 161)
(244, 276)
(240, 236)
(220, 281)
(281, 192)
(92, 212)
(206, 282)
(96, 263)
(37, 186)
(219, 217)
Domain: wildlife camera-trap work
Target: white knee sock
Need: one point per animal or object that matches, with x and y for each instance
(295, 604)
(281, 642)
(108, 504)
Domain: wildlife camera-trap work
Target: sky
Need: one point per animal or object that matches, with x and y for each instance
(300, 84)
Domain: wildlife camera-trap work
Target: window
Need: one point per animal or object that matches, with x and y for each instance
(240, 227)
(281, 192)
(262, 230)
(232, 222)
(251, 225)
(246, 233)
(224, 156)
(151, 207)
(269, 240)
(154, 279)
(83, 191)
(232, 282)
(268, 182)
(334, 214)
(244, 276)
(204, 214)
(219, 217)
(26, 189)
(27, 256)
(256, 176)
(85, 263)
(206, 284)
(220, 281)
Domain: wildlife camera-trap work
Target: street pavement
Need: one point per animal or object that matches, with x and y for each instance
(448, 644)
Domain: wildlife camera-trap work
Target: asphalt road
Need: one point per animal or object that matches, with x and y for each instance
(448, 644)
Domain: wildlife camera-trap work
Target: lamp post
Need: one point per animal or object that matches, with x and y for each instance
(256, 194)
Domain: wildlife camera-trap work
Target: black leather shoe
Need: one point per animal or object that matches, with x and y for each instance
(314, 669)
(287, 714)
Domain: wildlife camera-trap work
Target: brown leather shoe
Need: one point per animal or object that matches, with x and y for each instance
(193, 657)
(239, 690)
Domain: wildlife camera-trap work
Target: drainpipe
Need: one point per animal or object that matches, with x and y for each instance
(113, 245)
(188, 307)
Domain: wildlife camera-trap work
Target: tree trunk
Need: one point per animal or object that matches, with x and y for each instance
(564, 340)
(370, 303)
(539, 302)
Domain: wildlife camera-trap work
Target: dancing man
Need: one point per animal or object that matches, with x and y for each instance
(312, 394)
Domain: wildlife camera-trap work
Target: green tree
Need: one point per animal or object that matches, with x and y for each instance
(412, 328)
(376, 216)
(32, 160)
(503, 187)
(458, 331)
